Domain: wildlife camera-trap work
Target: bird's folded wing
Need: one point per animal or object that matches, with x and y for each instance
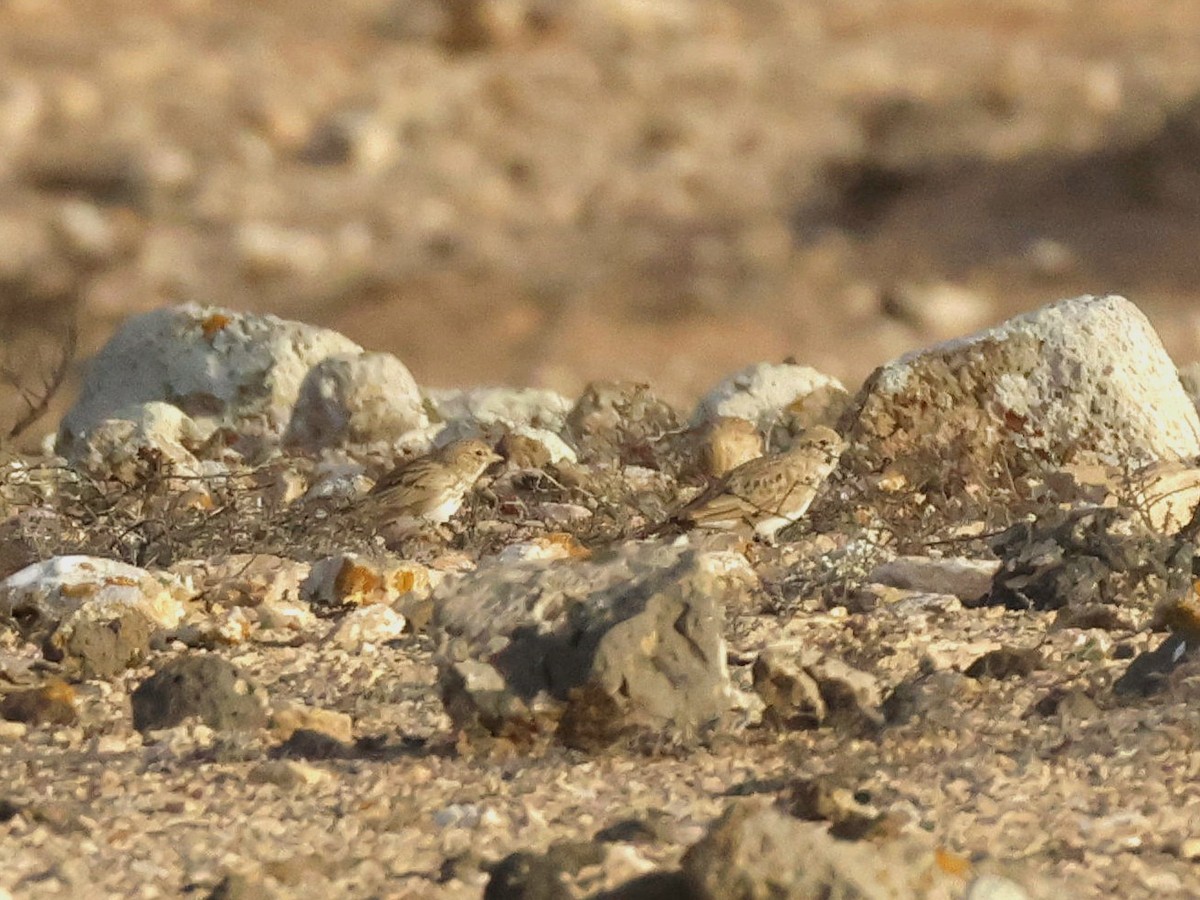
(723, 507)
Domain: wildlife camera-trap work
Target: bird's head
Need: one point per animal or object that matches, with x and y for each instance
(470, 453)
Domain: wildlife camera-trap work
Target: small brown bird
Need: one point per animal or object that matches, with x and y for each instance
(430, 488)
(769, 492)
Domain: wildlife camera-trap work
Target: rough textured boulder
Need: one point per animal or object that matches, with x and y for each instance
(755, 852)
(767, 393)
(222, 368)
(204, 686)
(1081, 380)
(804, 688)
(355, 398)
(635, 638)
(98, 613)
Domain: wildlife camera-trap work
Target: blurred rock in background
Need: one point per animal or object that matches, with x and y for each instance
(545, 193)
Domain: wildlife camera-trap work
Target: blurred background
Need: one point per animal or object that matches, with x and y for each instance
(545, 192)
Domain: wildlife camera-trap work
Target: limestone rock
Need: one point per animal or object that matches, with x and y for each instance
(201, 685)
(222, 368)
(755, 852)
(98, 612)
(352, 580)
(355, 398)
(1081, 380)
(634, 638)
(375, 624)
(967, 579)
(767, 393)
(117, 447)
(505, 406)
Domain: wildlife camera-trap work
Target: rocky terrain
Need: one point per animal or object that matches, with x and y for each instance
(967, 672)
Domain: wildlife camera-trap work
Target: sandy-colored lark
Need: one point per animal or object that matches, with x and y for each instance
(769, 492)
(430, 488)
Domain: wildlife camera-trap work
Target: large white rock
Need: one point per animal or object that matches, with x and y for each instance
(356, 398)
(765, 392)
(62, 594)
(222, 368)
(1081, 380)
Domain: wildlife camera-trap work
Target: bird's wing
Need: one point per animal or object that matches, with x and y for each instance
(722, 507)
(404, 475)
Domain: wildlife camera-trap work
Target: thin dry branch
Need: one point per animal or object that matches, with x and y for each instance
(37, 399)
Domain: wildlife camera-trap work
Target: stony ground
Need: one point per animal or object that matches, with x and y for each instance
(545, 193)
(1004, 739)
(1048, 769)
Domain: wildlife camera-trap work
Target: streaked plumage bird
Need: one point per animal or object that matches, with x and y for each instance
(430, 488)
(769, 492)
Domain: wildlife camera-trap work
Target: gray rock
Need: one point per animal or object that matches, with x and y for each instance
(792, 698)
(634, 638)
(355, 398)
(967, 579)
(222, 368)
(806, 688)
(104, 647)
(1081, 380)
(201, 685)
(755, 852)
